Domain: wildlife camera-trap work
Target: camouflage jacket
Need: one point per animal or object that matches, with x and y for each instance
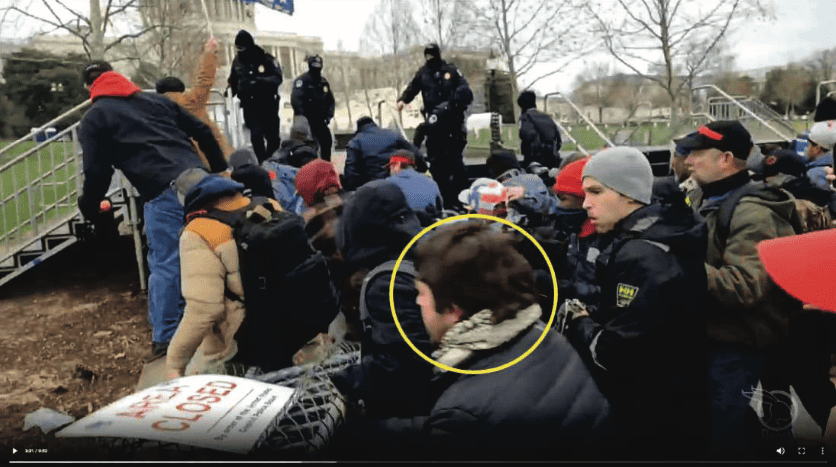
(745, 305)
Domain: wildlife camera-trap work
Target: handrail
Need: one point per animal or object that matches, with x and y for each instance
(40, 146)
(571, 138)
(746, 110)
(588, 121)
(45, 126)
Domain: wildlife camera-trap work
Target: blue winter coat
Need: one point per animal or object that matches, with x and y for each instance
(421, 191)
(816, 173)
(283, 178)
(368, 153)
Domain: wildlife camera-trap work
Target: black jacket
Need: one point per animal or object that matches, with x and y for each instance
(255, 77)
(313, 98)
(436, 86)
(645, 340)
(539, 139)
(546, 407)
(391, 379)
(146, 136)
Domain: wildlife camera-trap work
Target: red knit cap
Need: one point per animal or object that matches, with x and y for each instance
(570, 179)
(314, 178)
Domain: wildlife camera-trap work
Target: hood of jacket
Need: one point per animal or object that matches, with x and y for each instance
(112, 84)
(681, 230)
(209, 189)
(377, 224)
(300, 131)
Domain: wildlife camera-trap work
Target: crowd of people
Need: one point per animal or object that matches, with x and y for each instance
(675, 305)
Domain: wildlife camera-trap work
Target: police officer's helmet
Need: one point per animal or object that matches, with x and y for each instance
(433, 50)
(315, 62)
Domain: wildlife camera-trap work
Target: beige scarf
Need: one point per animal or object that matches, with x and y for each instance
(466, 338)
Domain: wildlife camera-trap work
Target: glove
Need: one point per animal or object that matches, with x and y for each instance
(569, 310)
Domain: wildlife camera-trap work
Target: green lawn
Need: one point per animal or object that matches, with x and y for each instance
(44, 184)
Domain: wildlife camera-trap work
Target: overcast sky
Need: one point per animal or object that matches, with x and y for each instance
(801, 27)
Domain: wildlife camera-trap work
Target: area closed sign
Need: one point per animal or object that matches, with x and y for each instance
(211, 411)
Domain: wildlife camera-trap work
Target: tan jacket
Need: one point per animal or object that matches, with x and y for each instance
(208, 264)
(195, 99)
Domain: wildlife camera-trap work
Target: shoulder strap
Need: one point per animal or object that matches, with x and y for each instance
(728, 206)
(386, 268)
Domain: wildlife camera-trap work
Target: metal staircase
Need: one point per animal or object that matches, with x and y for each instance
(764, 123)
(39, 187)
(40, 183)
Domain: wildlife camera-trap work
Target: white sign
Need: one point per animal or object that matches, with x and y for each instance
(211, 411)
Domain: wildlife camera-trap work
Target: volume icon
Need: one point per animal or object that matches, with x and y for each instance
(781, 451)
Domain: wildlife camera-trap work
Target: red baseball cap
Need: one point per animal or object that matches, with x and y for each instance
(804, 265)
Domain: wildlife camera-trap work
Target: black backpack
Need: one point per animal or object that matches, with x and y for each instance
(288, 294)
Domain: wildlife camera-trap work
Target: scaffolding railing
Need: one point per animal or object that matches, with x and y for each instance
(727, 107)
(42, 178)
(40, 182)
(580, 114)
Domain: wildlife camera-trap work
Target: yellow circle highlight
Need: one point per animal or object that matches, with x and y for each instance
(441, 365)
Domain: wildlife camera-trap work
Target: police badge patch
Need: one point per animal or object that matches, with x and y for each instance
(433, 118)
(446, 75)
(625, 295)
(261, 68)
(298, 83)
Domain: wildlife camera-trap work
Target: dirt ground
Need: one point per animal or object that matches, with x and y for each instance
(72, 339)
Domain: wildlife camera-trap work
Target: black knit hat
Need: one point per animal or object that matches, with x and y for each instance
(93, 70)
(170, 84)
(825, 110)
(244, 39)
(363, 121)
(527, 100)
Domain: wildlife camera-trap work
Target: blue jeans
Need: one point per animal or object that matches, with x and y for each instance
(731, 371)
(163, 221)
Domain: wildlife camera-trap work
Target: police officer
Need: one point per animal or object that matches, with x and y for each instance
(539, 137)
(255, 78)
(312, 98)
(446, 96)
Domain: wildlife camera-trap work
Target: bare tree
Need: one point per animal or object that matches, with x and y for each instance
(346, 85)
(390, 31)
(673, 39)
(443, 20)
(529, 33)
(176, 33)
(593, 86)
(99, 29)
(823, 64)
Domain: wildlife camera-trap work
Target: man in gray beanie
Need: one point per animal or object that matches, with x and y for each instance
(642, 340)
(626, 174)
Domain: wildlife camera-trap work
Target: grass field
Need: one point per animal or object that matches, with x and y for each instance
(44, 184)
